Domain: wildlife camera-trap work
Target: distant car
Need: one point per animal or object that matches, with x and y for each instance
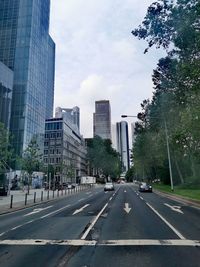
(109, 187)
(70, 186)
(144, 187)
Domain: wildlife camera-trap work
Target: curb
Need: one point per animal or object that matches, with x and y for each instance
(184, 200)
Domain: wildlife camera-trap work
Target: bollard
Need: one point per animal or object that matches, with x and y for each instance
(53, 193)
(65, 191)
(58, 193)
(34, 197)
(48, 195)
(62, 192)
(11, 201)
(42, 196)
(25, 199)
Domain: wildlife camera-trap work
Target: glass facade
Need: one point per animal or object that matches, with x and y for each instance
(102, 119)
(6, 86)
(27, 48)
(123, 144)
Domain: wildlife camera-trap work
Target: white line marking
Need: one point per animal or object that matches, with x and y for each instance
(16, 227)
(81, 199)
(93, 222)
(142, 198)
(88, 193)
(80, 242)
(124, 191)
(150, 242)
(174, 208)
(81, 209)
(55, 211)
(127, 209)
(2, 234)
(165, 221)
(37, 211)
(110, 198)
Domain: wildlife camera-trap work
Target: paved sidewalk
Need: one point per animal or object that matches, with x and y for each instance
(18, 199)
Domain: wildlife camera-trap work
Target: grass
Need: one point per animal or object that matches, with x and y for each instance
(191, 193)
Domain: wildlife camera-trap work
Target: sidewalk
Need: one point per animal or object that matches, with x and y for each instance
(17, 199)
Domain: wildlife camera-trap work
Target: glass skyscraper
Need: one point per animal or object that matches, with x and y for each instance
(102, 119)
(123, 144)
(6, 86)
(28, 50)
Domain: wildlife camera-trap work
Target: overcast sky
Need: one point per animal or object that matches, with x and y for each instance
(98, 58)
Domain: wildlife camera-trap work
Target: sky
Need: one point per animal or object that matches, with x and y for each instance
(97, 57)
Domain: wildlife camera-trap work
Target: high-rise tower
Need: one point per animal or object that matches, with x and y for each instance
(123, 144)
(28, 50)
(102, 119)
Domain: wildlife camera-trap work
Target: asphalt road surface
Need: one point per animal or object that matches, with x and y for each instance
(99, 229)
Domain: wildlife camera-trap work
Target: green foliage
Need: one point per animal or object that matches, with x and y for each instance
(32, 158)
(103, 157)
(130, 174)
(6, 153)
(175, 26)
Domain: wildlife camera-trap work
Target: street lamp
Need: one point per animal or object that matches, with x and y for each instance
(168, 151)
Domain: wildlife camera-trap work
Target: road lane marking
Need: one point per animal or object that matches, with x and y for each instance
(81, 199)
(37, 211)
(81, 209)
(124, 191)
(80, 242)
(1, 234)
(174, 208)
(142, 198)
(93, 222)
(110, 198)
(165, 221)
(127, 209)
(21, 225)
(55, 211)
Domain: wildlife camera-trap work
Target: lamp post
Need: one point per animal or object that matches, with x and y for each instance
(168, 150)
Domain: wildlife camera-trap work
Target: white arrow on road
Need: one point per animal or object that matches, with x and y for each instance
(81, 209)
(37, 211)
(127, 209)
(174, 208)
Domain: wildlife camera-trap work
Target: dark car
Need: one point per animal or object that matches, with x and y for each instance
(144, 187)
(3, 189)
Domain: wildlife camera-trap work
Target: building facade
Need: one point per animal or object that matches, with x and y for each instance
(6, 87)
(64, 150)
(28, 50)
(102, 119)
(71, 115)
(123, 144)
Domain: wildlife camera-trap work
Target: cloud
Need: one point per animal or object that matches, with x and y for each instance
(98, 58)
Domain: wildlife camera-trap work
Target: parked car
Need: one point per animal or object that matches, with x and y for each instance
(144, 187)
(3, 189)
(109, 187)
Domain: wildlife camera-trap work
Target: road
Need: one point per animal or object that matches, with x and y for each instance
(97, 228)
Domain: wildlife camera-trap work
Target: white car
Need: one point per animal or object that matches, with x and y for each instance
(109, 187)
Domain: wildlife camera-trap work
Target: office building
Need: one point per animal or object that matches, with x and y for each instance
(71, 115)
(123, 144)
(64, 150)
(102, 119)
(6, 87)
(28, 50)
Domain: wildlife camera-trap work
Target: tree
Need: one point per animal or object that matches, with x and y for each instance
(31, 159)
(174, 26)
(6, 152)
(103, 158)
